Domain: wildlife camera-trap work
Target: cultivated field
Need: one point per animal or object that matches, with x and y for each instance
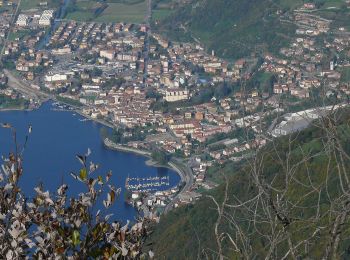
(131, 11)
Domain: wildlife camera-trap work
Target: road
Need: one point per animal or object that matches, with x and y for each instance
(186, 176)
(183, 170)
(148, 18)
(25, 88)
(11, 26)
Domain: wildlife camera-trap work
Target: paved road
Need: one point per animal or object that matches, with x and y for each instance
(11, 26)
(186, 176)
(25, 88)
(148, 18)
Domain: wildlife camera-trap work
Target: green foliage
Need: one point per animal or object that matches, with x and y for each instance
(345, 75)
(191, 227)
(69, 101)
(234, 28)
(125, 135)
(240, 133)
(161, 157)
(113, 82)
(263, 81)
(9, 103)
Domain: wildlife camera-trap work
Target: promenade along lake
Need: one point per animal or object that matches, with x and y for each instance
(50, 154)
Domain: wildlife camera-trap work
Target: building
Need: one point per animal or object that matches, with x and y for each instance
(56, 77)
(173, 95)
(22, 20)
(289, 127)
(46, 18)
(108, 54)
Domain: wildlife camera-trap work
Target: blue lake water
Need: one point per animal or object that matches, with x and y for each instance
(50, 154)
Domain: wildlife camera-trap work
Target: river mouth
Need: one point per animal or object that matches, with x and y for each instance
(56, 138)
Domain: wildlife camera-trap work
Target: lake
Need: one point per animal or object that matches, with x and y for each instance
(56, 139)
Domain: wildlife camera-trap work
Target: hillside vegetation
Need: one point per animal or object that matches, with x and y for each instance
(290, 200)
(233, 28)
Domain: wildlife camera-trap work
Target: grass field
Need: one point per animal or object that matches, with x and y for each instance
(116, 12)
(34, 4)
(80, 16)
(333, 3)
(130, 11)
(18, 34)
(160, 14)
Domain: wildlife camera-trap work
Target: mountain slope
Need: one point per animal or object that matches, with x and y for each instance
(233, 28)
(293, 195)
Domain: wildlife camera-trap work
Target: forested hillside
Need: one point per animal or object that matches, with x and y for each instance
(233, 28)
(290, 200)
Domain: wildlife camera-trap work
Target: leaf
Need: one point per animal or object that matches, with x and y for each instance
(151, 254)
(61, 190)
(60, 250)
(112, 193)
(49, 201)
(8, 186)
(76, 237)
(124, 251)
(31, 205)
(83, 174)
(100, 180)
(81, 158)
(108, 216)
(29, 242)
(5, 170)
(40, 240)
(73, 175)
(9, 255)
(6, 125)
(109, 175)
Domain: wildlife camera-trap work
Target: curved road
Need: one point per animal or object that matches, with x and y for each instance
(186, 176)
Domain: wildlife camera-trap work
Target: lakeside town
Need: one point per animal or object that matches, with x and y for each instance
(177, 102)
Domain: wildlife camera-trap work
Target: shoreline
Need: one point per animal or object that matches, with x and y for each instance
(16, 109)
(111, 145)
(171, 165)
(183, 171)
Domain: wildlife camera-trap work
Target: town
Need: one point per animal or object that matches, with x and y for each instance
(176, 102)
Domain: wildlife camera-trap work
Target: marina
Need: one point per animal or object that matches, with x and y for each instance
(146, 184)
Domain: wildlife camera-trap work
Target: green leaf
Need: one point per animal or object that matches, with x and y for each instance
(76, 238)
(83, 174)
(100, 179)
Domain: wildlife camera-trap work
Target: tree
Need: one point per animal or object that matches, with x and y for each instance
(287, 200)
(160, 157)
(53, 225)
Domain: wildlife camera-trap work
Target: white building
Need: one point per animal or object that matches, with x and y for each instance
(173, 95)
(56, 77)
(22, 20)
(46, 18)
